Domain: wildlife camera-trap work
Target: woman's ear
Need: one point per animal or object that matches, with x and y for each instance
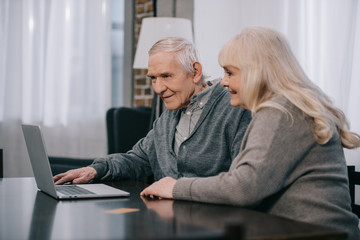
(197, 72)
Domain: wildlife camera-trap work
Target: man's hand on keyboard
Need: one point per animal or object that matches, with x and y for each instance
(76, 176)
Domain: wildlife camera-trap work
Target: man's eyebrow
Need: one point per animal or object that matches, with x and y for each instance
(161, 74)
(165, 74)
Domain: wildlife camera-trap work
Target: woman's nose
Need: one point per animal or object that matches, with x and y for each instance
(224, 82)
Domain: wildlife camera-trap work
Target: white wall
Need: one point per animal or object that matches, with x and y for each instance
(216, 22)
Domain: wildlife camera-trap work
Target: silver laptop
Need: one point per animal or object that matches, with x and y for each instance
(44, 178)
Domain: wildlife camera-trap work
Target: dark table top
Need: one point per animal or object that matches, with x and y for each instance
(26, 213)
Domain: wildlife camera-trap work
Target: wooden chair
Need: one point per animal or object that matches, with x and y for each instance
(354, 179)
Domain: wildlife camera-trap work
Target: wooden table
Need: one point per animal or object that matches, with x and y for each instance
(26, 213)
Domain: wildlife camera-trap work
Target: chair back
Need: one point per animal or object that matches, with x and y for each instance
(354, 179)
(126, 126)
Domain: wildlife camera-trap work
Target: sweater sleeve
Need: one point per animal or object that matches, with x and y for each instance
(262, 167)
(134, 164)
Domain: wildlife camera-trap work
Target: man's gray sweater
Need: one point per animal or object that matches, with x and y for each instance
(209, 150)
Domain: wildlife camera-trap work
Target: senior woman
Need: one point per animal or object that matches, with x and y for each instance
(291, 162)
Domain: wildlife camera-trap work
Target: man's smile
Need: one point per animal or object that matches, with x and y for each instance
(167, 97)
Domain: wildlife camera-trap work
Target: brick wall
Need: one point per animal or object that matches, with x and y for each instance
(143, 92)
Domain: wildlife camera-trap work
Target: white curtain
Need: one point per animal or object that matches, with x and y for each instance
(324, 35)
(55, 71)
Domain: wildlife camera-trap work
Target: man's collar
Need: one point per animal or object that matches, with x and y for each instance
(200, 99)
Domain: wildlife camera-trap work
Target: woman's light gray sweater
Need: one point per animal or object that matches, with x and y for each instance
(282, 170)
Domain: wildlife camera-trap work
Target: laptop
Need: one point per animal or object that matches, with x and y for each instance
(44, 177)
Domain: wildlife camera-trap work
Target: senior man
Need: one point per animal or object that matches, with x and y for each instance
(197, 136)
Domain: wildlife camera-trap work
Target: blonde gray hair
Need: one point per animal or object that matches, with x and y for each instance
(269, 68)
(186, 52)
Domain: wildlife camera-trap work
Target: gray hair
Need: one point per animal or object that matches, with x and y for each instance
(186, 52)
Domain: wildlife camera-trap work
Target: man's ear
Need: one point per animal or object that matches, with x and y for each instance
(198, 72)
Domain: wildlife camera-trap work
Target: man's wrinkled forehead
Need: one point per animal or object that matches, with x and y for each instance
(162, 62)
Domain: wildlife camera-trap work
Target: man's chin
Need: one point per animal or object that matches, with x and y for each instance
(170, 106)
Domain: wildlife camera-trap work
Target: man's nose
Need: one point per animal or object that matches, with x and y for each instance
(158, 86)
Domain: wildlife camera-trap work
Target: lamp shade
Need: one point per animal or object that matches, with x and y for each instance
(156, 28)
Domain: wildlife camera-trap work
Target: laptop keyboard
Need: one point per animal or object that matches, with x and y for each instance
(72, 190)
